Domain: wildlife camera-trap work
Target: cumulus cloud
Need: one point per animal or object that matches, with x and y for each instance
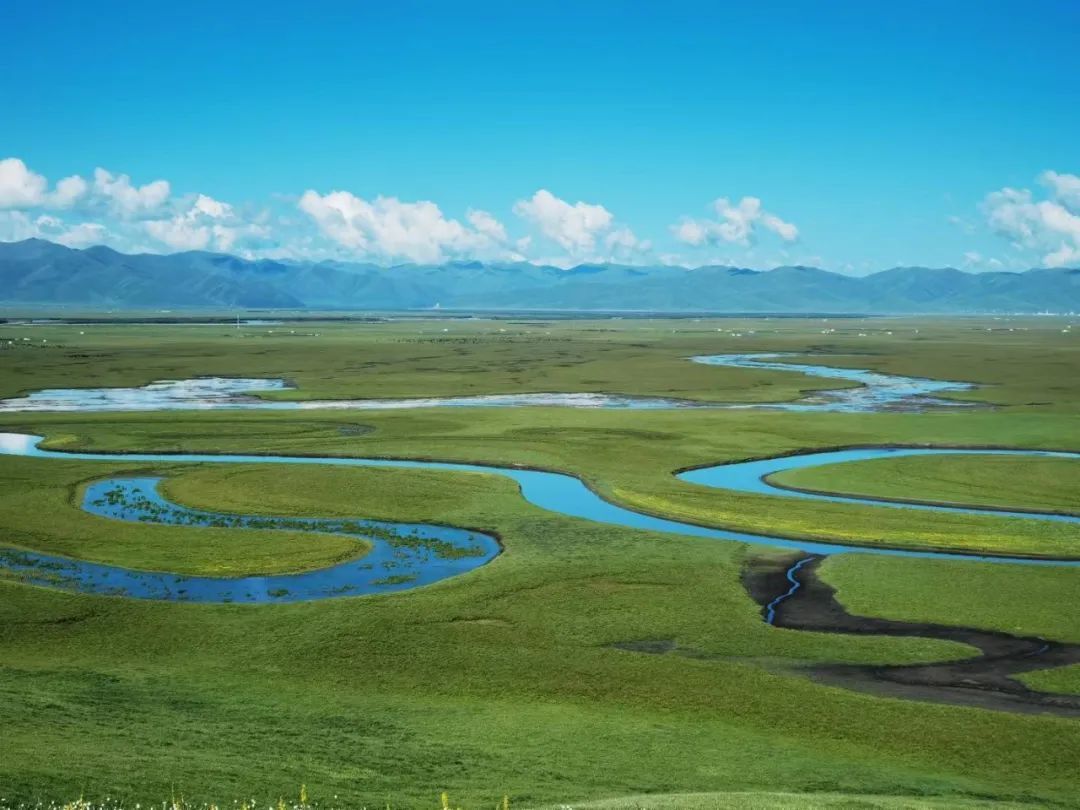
(82, 235)
(20, 187)
(69, 191)
(583, 230)
(486, 224)
(111, 208)
(394, 229)
(127, 200)
(736, 223)
(1050, 227)
(18, 225)
(1065, 188)
(573, 227)
(207, 223)
(623, 242)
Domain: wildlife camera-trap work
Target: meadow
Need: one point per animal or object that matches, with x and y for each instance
(505, 681)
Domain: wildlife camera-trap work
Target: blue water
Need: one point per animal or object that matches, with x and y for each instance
(873, 392)
(793, 581)
(556, 492)
(753, 476)
(401, 556)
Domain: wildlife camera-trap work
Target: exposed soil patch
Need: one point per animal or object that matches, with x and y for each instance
(793, 596)
(355, 430)
(985, 680)
(483, 621)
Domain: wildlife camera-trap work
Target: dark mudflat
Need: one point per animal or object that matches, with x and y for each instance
(793, 596)
(985, 680)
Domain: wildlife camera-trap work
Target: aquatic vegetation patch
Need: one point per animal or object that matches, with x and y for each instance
(417, 554)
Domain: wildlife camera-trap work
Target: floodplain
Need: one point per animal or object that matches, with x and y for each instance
(584, 662)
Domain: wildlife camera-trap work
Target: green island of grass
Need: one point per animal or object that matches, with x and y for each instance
(1002, 482)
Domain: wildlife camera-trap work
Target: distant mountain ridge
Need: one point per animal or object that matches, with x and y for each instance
(35, 271)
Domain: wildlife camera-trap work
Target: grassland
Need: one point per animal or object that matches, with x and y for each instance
(627, 456)
(1004, 482)
(504, 680)
(787, 801)
(1018, 361)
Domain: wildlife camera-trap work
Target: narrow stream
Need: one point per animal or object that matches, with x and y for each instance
(987, 679)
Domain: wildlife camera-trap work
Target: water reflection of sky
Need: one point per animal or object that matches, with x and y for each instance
(875, 391)
(401, 556)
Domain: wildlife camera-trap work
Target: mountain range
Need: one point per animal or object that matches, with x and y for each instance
(37, 272)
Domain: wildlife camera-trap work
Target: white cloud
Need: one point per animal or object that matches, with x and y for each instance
(126, 200)
(736, 223)
(975, 260)
(691, 232)
(390, 228)
(1048, 227)
(486, 224)
(581, 229)
(16, 226)
(622, 242)
(82, 235)
(785, 230)
(68, 191)
(215, 209)
(114, 211)
(206, 223)
(20, 187)
(179, 233)
(573, 227)
(1065, 256)
(109, 208)
(1064, 187)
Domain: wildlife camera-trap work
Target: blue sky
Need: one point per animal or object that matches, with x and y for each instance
(853, 136)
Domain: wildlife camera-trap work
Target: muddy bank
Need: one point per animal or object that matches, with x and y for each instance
(985, 680)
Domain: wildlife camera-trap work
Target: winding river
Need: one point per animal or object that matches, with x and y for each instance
(754, 477)
(873, 392)
(395, 556)
(400, 555)
(555, 492)
(404, 556)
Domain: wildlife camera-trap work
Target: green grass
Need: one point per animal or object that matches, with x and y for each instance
(1033, 365)
(500, 680)
(1062, 679)
(787, 801)
(33, 489)
(1024, 601)
(627, 456)
(1008, 482)
(504, 680)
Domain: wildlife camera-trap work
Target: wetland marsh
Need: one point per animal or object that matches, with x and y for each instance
(507, 678)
